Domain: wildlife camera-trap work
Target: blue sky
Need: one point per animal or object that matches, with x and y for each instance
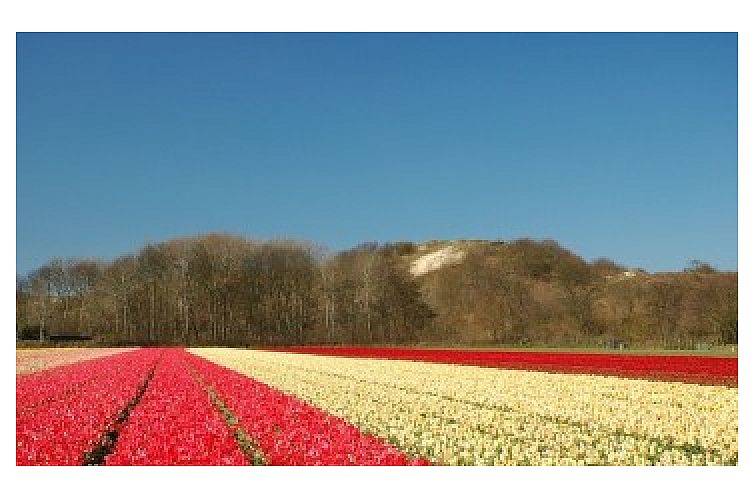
(617, 145)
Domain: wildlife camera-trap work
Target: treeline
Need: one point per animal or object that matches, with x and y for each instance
(227, 290)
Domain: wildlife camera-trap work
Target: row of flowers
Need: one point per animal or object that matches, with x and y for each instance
(686, 368)
(61, 431)
(289, 431)
(42, 387)
(457, 414)
(175, 423)
(33, 360)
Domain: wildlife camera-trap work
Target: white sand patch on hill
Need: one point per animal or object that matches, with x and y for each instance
(436, 259)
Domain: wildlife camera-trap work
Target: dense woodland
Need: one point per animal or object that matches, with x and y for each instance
(226, 290)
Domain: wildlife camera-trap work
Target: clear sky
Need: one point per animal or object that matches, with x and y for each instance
(617, 145)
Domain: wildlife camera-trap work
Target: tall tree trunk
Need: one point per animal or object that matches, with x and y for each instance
(152, 310)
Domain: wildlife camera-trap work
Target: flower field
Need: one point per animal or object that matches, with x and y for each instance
(219, 406)
(464, 415)
(168, 407)
(62, 429)
(33, 360)
(175, 423)
(699, 369)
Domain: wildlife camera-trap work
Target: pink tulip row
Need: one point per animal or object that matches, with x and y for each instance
(34, 360)
(175, 423)
(62, 431)
(291, 432)
(42, 387)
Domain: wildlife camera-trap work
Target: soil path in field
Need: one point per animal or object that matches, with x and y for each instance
(106, 445)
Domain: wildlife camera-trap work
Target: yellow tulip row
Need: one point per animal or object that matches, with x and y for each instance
(463, 415)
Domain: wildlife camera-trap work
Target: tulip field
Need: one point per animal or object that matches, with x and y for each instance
(363, 406)
(32, 360)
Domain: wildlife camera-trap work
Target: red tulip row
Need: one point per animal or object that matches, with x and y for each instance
(175, 423)
(291, 432)
(696, 369)
(64, 430)
(39, 388)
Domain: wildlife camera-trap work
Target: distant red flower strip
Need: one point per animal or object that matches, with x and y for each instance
(62, 431)
(175, 423)
(698, 369)
(289, 431)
